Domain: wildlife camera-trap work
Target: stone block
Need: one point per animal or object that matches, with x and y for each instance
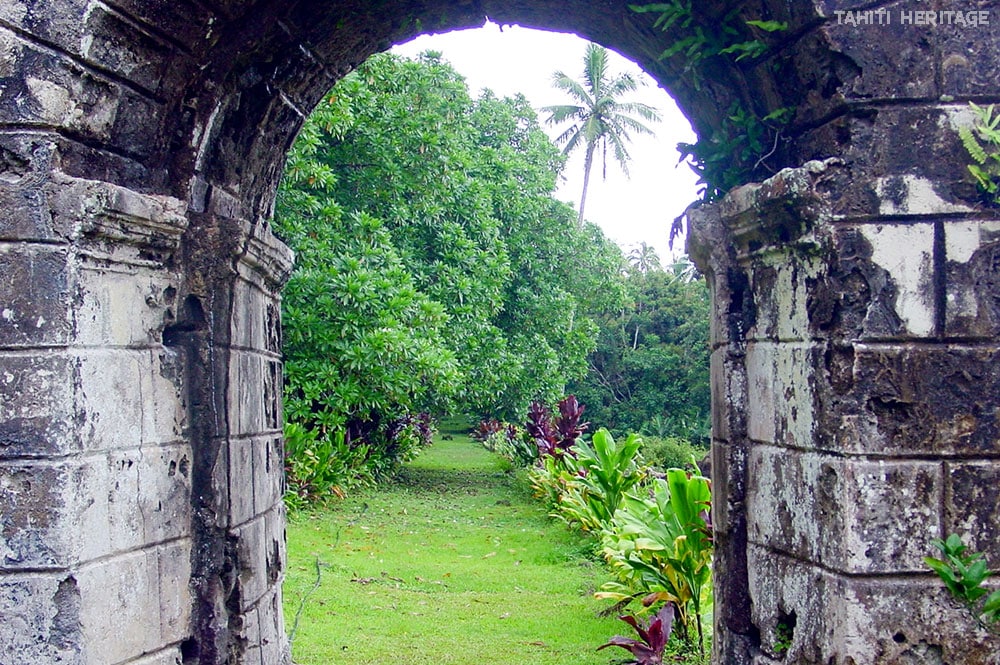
(127, 306)
(967, 56)
(47, 89)
(276, 558)
(838, 619)
(165, 412)
(972, 251)
(36, 398)
(269, 473)
(34, 296)
(882, 177)
(729, 467)
(781, 285)
(905, 252)
(249, 636)
(93, 32)
(849, 515)
(25, 195)
(242, 479)
(780, 400)
(719, 380)
(248, 328)
(174, 574)
(41, 620)
(792, 593)
(120, 487)
(35, 516)
(926, 400)
(187, 22)
(250, 560)
(164, 497)
(879, 285)
(60, 23)
(972, 503)
(120, 606)
(141, 59)
(895, 59)
(274, 646)
(109, 400)
(902, 620)
(248, 392)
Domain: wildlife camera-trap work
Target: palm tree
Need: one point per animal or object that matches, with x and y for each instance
(644, 258)
(600, 118)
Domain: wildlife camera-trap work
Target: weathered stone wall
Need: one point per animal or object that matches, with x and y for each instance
(854, 418)
(95, 465)
(854, 373)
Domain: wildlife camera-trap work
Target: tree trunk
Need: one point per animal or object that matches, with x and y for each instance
(588, 161)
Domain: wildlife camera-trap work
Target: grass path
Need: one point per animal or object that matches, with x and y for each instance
(453, 565)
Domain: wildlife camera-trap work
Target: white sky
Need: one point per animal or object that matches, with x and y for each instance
(515, 59)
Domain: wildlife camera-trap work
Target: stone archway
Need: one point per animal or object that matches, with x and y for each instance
(855, 334)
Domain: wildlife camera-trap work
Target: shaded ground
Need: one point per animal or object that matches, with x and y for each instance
(454, 564)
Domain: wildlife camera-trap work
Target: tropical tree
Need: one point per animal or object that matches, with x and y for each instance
(644, 258)
(650, 370)
(599, 118)
(435, 271)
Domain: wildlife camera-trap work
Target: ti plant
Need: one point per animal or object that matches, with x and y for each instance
(964, 572)
(982, 141)
(648, 649)
(554, 437)
(660, 548)
(603, 471)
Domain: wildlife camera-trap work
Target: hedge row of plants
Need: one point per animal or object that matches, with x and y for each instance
(651, 524)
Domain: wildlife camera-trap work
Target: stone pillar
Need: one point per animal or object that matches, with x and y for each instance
(95, 464)
(856, 391)
(141, 460)
(230, 334)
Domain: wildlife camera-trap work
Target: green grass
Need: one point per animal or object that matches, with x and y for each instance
(454, 564)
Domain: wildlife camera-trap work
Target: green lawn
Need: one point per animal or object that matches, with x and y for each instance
(455, 564)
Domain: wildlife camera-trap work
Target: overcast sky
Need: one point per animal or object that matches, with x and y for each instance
(514, 59)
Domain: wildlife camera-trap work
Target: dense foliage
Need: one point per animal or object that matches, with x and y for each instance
(435, 271)
(651, 524)
(649, 372)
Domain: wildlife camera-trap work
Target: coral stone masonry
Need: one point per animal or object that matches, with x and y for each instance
(855, 355)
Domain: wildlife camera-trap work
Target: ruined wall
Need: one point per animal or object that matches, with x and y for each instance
(854, 367)
(103, 366)
(140, 454)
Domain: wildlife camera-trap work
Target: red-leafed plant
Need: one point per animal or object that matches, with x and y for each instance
(555, 436)
(486, 428)
(653, 636)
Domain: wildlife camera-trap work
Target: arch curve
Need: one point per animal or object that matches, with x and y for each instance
(855, 382)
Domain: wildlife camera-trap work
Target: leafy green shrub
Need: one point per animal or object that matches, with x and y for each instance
(506, 440)
(601, 472)
(319, 467)
(964, 572)
(660, 548)
(671, 452)
(550, 481)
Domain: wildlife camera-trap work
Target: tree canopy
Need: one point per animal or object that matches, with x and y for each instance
(435, 270)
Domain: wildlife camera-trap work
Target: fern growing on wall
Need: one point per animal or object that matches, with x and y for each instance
(982, 141)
